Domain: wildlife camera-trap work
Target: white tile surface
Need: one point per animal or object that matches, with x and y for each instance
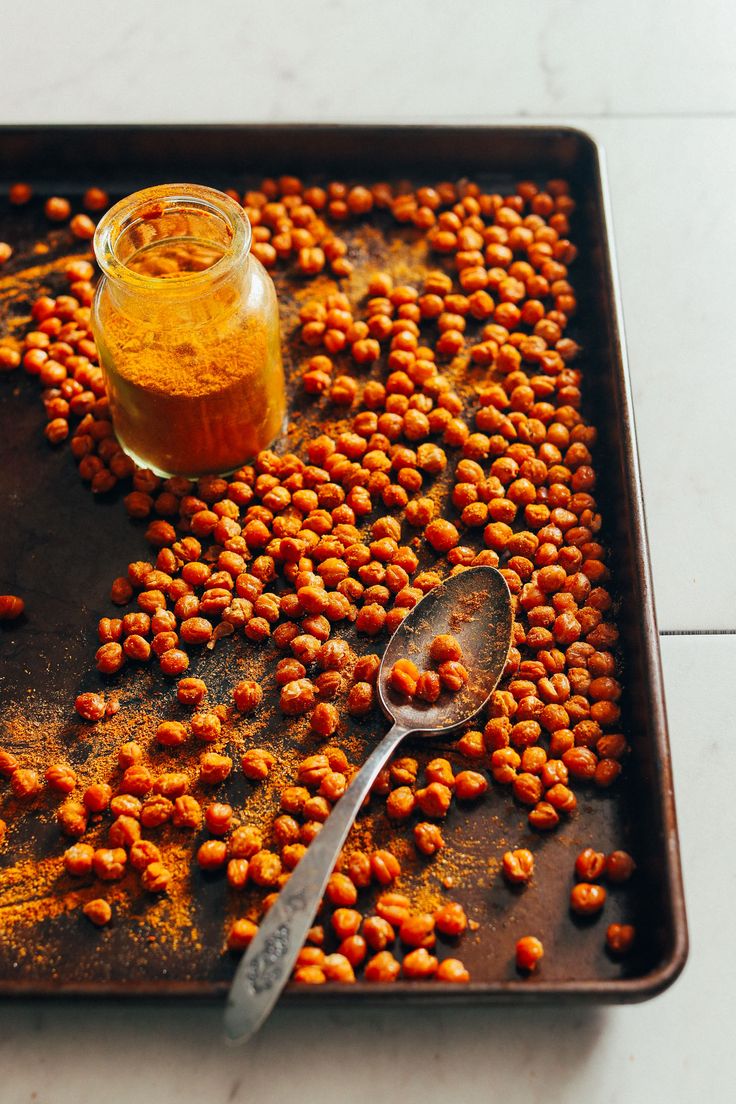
(341, 59)
(676, 1048)
(655, 83)
(672, 184)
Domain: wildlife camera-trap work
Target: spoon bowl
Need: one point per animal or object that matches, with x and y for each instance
(474, 606)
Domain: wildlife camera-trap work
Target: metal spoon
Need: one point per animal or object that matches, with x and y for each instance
(475, 607)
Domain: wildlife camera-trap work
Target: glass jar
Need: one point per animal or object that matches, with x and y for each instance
(187, 327)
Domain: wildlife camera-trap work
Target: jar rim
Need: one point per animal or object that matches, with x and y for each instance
(138, 206)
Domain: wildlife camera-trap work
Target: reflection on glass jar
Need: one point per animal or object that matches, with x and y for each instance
(186, 323)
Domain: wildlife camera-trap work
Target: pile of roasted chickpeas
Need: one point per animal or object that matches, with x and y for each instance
(314, 552)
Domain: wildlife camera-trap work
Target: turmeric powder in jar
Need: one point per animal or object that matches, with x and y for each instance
(186, 323)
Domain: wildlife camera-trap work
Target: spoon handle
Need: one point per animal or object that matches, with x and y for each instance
(266, 966)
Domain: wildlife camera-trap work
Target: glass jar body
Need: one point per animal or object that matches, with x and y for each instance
(188, 337)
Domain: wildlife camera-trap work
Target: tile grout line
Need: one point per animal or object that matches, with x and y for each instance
(521, 115)
(697, 632)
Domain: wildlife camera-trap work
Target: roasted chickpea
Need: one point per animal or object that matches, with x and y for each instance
(98, 911)
(445, 647)
(385, 867)
(382, 968)
(590, 865)
(452, 970)
(451, 919)
(241, 934)
(434, 799)
(620, 938)
(586, 899)
(518, 866)
(529, 952)
(619, 866)
(428, 838)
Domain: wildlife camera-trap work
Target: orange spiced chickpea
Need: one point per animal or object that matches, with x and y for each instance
(187, 812)
(78, 859)
(156, 878)
(518, 866)
(400, 803)
(109, 863)
(543, 817)
(142, 854)
(428, 686)
(587, 899)
(218, 818)
(61, 778)
(174, 662)
(191, 691)
(124, 831)
(338, 967)
(451, 919)
(19, 194)
(257, 763)
(11, 607)
(382, 968)
(445, 647)
(212, 854)
(206, 726)
(309, 975)
(244, 842)
(619, 866)
(620, 938)
(265, 868)
(171, 733)
(345, 922)
(529, 952)
(385, 867)
(434, 800)
(237, 873)
(98, 912)
(403, 677)
(470, 785)
(428, 838)
(442, 535)
(25, 783)
(72, 819)
(82, 227)
(440, 770)
(419, 964)
(360, 699)
(394, 907)
(247, 695)
(297, 697)
(90, 706)
(96, 199)
(57, 209)
(359, 869)
(590, 865)
(241, 934)
(453, 675)
(418, 931)
(452, 970)
(97, 797)
(341, 891)
(377, 933)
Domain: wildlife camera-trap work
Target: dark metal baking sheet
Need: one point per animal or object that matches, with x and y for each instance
(46, 658)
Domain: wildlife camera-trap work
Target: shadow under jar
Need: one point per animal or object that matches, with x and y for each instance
(187, 327)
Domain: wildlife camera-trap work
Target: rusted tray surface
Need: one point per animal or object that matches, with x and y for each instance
(60, 549)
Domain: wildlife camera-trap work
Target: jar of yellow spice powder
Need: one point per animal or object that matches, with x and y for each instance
(186, 324)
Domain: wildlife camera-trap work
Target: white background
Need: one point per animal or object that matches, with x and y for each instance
(655, 82)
